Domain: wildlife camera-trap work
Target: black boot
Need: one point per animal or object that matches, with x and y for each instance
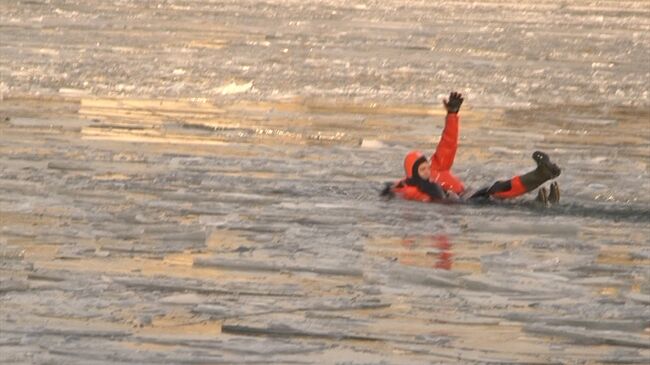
(542, 197)
(554, 193)
(546, 170)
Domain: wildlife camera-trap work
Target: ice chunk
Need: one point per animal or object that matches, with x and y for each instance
(233, 88)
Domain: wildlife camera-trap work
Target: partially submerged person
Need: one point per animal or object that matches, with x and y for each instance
(432, 181)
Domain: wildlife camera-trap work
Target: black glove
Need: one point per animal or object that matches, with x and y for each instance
(453, 104)
(387, 193)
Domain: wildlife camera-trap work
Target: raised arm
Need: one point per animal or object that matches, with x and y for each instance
(443, 158)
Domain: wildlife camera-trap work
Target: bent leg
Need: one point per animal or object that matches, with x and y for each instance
(519, 185)
(502, 189)
(508, 189)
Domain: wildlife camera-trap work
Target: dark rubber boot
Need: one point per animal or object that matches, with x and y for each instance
(542, 197)
(546, 170)
(554, 193)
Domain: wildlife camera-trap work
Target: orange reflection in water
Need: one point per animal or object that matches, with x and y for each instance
(418, 252)
(444, 257)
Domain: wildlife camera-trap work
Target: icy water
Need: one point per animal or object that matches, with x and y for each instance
(196, 182)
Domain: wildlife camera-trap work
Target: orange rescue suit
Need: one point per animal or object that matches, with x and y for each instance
(441, 163)
(443, 157)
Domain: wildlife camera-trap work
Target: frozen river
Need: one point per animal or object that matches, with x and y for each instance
(192, 182)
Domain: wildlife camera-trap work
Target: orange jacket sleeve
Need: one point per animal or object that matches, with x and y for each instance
(443, 158)
(410, 192)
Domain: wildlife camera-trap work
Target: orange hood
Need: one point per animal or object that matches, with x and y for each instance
(410, 163)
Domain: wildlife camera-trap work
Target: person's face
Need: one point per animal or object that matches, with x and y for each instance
(424, 171)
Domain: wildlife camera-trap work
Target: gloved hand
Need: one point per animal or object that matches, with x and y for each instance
(453, 104)
(387, 193)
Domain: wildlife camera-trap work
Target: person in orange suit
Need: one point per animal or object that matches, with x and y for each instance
(433, 181)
